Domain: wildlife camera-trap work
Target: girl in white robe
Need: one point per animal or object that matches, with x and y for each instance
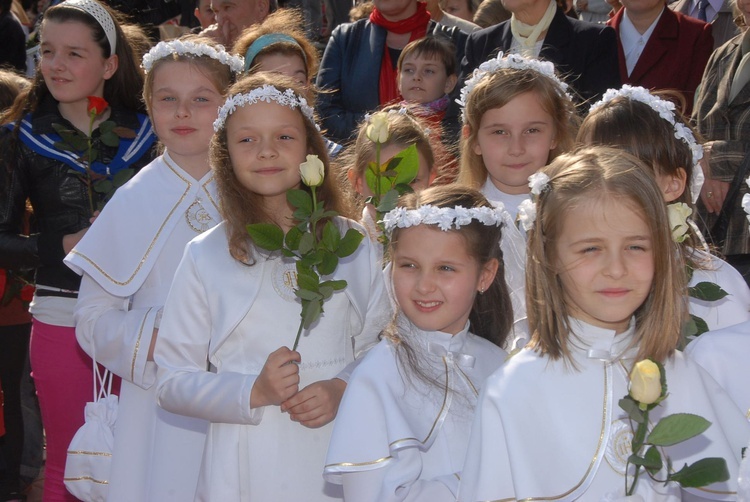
(403, 425)
(128, 259)
(649, 128)
(608, 289)
(232, 312)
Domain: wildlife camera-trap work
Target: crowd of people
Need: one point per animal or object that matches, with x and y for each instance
(577, 208)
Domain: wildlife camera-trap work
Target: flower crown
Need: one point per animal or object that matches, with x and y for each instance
(446, 218)
(666, 110)
(510, 61)
(267, 93)
(164, 49)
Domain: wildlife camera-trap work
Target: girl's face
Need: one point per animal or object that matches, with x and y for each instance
(267, 143)
(435, 279)
(72, 64)
(458, 8)
(605, 261)
(290, 65)
(425, 175)
(184, 105)
(515, 142)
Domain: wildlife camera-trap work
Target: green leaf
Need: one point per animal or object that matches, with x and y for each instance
(299, 199)
(307, 278)
(306, 243)
(110, 139)
(707, 291)
(408, 168)
(292, 238)
(704, 472)
(326, 292)
(331, 236)
(266, 236)
(387, 201)
(103, 186)
(336, 285)
(106, 127)
(402, 189)
(308, 295)
(288, 253)
(372, 179)
(122, 176)
(328, 262)
(311, 312)
(652, 460)
(349, 243)
(676, 428)
(312, 259)
(628, 404)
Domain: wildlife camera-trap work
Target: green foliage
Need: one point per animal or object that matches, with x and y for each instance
(704, 472)
(677, 428)
(707, 291)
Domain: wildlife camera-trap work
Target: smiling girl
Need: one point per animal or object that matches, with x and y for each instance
(84, 53)
(232, 311)
(129, 257)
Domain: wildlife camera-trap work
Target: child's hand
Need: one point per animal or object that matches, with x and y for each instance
(278, 380)
(317, 404)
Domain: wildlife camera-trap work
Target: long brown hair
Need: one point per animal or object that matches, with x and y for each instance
(497, 90)
(597, 173)
(240, 206)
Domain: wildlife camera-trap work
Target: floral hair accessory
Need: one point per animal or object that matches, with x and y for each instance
(446, 218)
(267, 94)
(666, 110)
(510, 61)
(746, 201)
(182, 48)
(538, 182)
(95, 10)
(527, 214)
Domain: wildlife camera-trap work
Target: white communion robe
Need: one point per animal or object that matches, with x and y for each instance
(221, 321)
(398, 438)
(724, 355)
(128, 259)
(546, 431)
(730, 310)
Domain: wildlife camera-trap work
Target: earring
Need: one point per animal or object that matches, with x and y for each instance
(481, 291)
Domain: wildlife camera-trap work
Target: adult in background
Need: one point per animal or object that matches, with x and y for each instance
(661, 49)
(585, 54)
(358, 70)
(722, 116)
(233, 16)
(716, 12)
(12, 39)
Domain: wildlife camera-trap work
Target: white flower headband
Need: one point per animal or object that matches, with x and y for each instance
(514, 62)
(267, 93)
(164, 49)
(666, 110)
(95, 10)
(446, 218)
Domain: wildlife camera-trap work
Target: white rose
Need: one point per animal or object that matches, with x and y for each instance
(645, 382)
(312, 171)
(377, 128)
(679, 212)
(538, 182)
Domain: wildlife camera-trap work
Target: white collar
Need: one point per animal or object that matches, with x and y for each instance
(634, 42)
(591, 342)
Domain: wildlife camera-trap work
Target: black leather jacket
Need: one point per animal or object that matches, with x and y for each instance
(58, 196)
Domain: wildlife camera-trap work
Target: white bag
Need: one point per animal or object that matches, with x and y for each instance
(89, 459)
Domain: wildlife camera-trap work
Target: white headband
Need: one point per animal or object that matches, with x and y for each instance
(267, 93)
(666, 110)
(514, 62)
(95, 10)
(164, 49)
(444, 217)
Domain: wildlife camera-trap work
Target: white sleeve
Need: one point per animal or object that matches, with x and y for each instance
(122, 336)
(186, 386)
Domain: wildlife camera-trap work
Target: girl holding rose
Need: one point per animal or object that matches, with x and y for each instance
(605, 289)
(84, 57)
(232, 312)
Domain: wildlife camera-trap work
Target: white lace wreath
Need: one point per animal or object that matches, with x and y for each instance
(666, 110)
(511, 61)
(446, 218)
(267, 94)
(164, 49)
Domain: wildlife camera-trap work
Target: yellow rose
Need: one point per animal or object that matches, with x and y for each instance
(377, 128)
(645, 382)
(678, 213)
(312, 171)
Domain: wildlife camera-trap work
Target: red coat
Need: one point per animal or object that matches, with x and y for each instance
(674, 57)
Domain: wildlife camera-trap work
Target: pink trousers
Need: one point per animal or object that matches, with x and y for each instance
(64, 383)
